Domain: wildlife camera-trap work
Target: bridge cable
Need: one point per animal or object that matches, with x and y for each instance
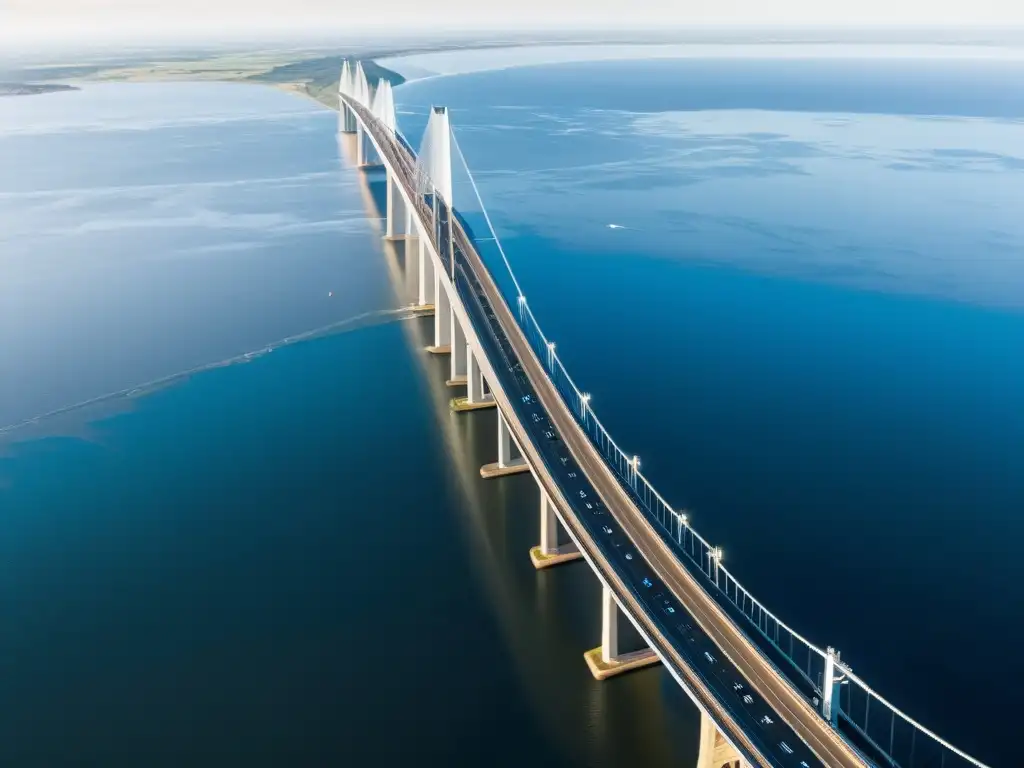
(487, 218)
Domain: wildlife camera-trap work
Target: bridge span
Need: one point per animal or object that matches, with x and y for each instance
(767, 696)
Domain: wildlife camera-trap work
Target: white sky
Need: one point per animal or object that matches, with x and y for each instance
(152, 18)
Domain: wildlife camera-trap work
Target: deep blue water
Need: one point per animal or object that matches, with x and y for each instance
(264, 550)
(810, 328)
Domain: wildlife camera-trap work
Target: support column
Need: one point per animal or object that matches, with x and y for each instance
(399, 219)
(477, 394)
(442, 318)
(389, 224)
(510, 459)
(458, 358)
(555, 545)
(715, 751)
(366, 155)
(622, 648)
(426, 273)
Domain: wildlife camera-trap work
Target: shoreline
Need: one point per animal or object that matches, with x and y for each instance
(34, 89)
(314, 75)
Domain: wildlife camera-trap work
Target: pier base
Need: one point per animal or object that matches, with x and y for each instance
(626, 662)
(439, 349)
(617, 630)
(461, 404)
(555, 545)
(495, 469)
(510, 459)
(566, 554)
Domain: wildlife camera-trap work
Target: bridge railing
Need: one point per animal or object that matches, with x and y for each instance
(871, 724)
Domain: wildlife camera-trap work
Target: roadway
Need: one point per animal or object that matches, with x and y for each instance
(765, 718)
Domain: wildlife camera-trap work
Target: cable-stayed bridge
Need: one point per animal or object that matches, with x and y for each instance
(767, 695)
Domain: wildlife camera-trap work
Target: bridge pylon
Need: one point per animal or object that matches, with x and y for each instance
(434, 162)
(346, 87)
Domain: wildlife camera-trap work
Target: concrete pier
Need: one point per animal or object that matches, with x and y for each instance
(555, 545)
(395, 211)
(426, 270)
(442, 318)
(510, 458)
(617, 634)
(478, 394)
(459, 351)
(715, 751)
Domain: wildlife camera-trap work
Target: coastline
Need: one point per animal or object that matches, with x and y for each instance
(34, 89)
(314, 73)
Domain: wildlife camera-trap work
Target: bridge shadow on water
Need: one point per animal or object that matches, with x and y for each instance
(547, 619)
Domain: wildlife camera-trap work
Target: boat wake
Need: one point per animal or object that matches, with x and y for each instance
(353, 323)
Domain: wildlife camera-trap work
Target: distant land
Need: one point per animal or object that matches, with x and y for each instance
(312, 76)
(312, 69)
(31, 89)
(318, 78)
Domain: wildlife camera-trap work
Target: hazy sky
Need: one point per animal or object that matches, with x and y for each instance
(90, 18)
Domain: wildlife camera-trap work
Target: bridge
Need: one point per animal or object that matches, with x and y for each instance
(767, 695)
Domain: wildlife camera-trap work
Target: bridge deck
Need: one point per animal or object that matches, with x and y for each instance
(573, 472)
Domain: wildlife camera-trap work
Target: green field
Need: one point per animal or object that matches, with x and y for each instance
(315, 76)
